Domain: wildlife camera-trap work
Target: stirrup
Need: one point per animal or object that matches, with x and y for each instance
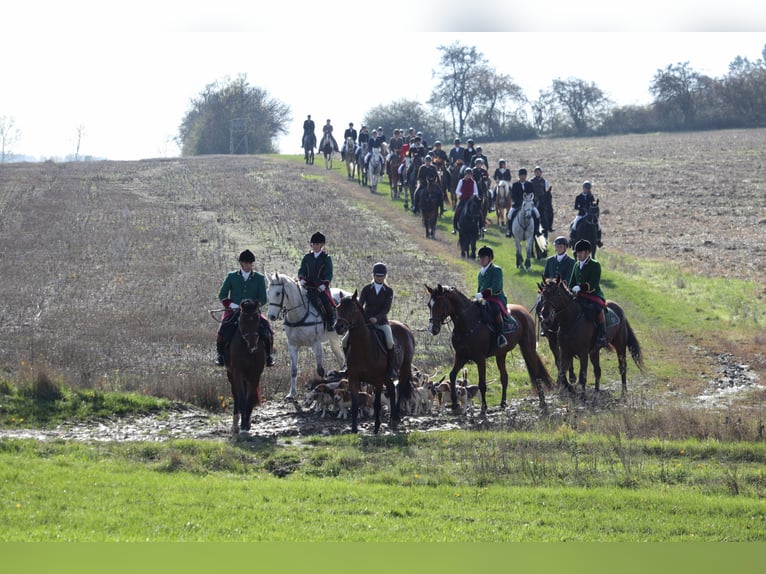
(270, 362)
(501, 341)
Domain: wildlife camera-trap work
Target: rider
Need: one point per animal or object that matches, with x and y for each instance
(502, 173)
(468, 153)
(491, 290)
(376, 299)
(543, 197)
(364, 136)
(481, 175)
(349, 133)
(559, 265)
(465, 190)
(376, 140)
(396, 142)
(308, 130)
(438, 153)
(315, 273)
(237, 286)
(456, 153)
(586, 285)
(582, 202)
(426, 172)
(479, 155)
(518, 189)
(417, 153)
(327, 132)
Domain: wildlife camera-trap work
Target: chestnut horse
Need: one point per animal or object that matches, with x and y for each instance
(247, 358)
(473, 340)
(366, 359)
(577, 334)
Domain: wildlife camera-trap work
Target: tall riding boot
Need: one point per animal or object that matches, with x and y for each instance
(391, 365)
(598, 239)
(601, 336)
(220, 348)
(501, 340)
(509, 233)
(536, 223)
(268, 344)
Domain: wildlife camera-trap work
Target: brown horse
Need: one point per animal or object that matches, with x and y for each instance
(366, 359)
(473, 340)
(430, 203)
(247, 358)
(455, 171)
(393, 162)
(577, 335)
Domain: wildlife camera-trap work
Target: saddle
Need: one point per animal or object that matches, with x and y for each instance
(380, 340)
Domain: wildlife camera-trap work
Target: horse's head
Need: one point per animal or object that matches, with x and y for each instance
(249, 323)
(349, 314)
(275, 296)
(442, 305)
(528, 203)
(503, 188)
(555, 293)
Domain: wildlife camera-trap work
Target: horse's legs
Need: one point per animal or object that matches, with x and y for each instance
(500, 361)
(583, 369)
(459, 363)
(318, 355)
(293, 350)
(396, 408)
(596, 360)
(353, 384)
(519, 258)
(530, 247)
(337, 350)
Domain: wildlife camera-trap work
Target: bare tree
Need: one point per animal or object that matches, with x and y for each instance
(583, 102)
(497, 92)
(674, 90)
(9, 136)
(78, 141)
(458, 90)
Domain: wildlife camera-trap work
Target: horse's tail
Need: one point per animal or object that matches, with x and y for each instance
(634, 347)
(528, 344)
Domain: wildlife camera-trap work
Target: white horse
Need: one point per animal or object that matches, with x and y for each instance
(303, 324)
(350, 157)
(376, 169)
(524, 229)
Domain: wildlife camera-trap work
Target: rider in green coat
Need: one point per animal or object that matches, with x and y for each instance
(491, 289)
(586, 284)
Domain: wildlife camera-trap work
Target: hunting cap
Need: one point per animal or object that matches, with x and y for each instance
(470, 141)
(586, 185)
(419, 134)
(538, 168)
(485, 250)
(468, 171)
(457, 140)
(501, 160)
(351, 124)
(317, 238)
(379, 269)
(437, 142)
(428, 158)
(247, 256)
(380, 128)
(418, 138)
(522, 171)
(479, 160)
(561, 240)
(582, 245)
(478, 148)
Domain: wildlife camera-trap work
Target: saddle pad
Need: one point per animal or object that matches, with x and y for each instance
(511, 325)
(611, 318)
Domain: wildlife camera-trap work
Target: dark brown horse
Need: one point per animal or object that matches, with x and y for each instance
(247, 358)
(577, 335)
(430, 204)
(473, 340)
(366, 359)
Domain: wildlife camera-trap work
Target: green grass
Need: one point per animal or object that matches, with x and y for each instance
(454, 486)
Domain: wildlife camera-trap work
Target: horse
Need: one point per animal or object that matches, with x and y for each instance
(350, 158)
(393, 162)
(327, 149)
(524, 230)
(473, 340)
(309, 143)
(577, 334)
(367, 360)
(469, 225)
(375, 169)
(587, 228)
(303, 324)
(445, 183)
(502, 194)
(430, 201)
(412, 179)
(361, 171)
(455, 171)
(247, 359)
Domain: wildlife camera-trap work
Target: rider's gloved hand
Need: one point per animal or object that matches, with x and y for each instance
(576, 289)
(322, 288)
(233, 306)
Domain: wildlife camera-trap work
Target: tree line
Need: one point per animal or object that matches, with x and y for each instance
(472, 99)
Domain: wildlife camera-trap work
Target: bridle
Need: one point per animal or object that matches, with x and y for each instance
(284, 311)
(248, 336)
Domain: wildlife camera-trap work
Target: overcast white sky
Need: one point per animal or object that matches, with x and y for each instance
(126, 74)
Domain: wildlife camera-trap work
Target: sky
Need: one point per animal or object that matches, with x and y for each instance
(123, 74)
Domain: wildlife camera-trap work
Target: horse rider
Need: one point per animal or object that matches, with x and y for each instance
(457, 152)
(479, 155)
(427, 172)
(543, 197)
(481, 176)
(396, 142)
(518, 189)
(308, 130)
(364, 136)
(502, 173)
(327, 132)
(376, 298)
(237, 286)
(315, 274)
(586, 285)
(417, 155)
(465, 190)
(583, 202)
(376, 140)
(490, 289)
(422, 140)
(349, 133)
(438, 153)
(468, 153)
(558, 265)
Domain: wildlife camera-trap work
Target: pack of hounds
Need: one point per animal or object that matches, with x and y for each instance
(331, 396)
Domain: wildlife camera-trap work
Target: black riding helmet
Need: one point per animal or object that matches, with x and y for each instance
(247, 256)
(582, 245)
(379, 269)
(486, 251)
(317, 238)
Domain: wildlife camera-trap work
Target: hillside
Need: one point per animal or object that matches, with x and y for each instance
(108, 267)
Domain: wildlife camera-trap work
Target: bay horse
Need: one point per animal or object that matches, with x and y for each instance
(469, 225)
(309, 143)
(393, 162)
(350, 158)
(473, 340)
(587, 228)
(327, 149)
(247, 359)
(303, 324)
(577, 335)
(430, 202)
(502, 194)
(455, 171)
(367, 360)
(523, 229)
